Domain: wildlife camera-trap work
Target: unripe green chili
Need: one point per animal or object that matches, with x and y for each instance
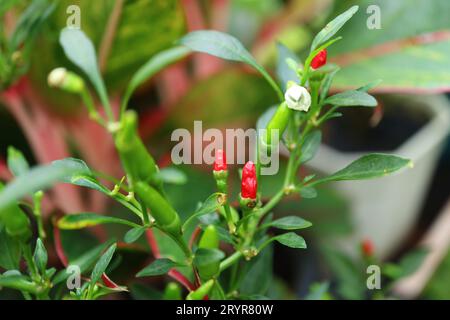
(166, 217)
(278, 122)
(137, 162)
(15, 221)
(172, 292)
(209, 240)
(202, 291)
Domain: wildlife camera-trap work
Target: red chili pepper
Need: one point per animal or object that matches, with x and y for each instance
(367, 247)
(319, 60)
(249, 184)
(220, 164)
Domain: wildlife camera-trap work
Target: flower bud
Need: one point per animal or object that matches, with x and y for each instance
(367, 248)
(249, 183)
(319, 60)
(66, 80)
(297, 98)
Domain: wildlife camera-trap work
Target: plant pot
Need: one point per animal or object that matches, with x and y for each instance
(385, 209)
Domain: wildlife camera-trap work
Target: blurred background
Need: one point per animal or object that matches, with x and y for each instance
(400, 215)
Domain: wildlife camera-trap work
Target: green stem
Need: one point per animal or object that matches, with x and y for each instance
(272, 83)
(89, 103)
(30, 262)
(228, 262)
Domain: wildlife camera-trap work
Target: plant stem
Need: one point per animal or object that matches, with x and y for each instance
(230, 260)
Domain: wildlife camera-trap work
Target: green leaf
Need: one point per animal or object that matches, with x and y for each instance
(133, 234)
(258, 274)
(332, 27)
(30, 22)
(86, 220)
(10, 251)
(40, 178)
(291, 240)
(158, 267)
(369, 166)
(81, 52)
(352, 98)
(102, 263)
(326, 84)
(308, 192)
(290, 223)
(205, 256)
(284, 72)
(173, 175)
(310, 146)
(88, 182)
(17, 163)
(227, 47)
(84, 262)
(18, 282)
(370, 85)
(40, 256)
(211, 204)
(153, 66)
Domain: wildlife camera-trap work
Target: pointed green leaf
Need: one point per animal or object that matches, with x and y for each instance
(291, 240)
(102, 263)
(289, 223)
(40, 256)
(211, 204)
(227, 47)
(158, 267)
(332, 27)
(84, 262)
(310, 146)
(10, 251)
(308, 192)
(40, 178)
(86, 220)
(134, 234)
(367, 167)
(205, 256)
(81, 52)
(352, 98)
(153, 66)
(325, 88)
(17, 163)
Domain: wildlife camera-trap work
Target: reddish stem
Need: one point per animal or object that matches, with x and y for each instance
(194, 236)
(58, 246)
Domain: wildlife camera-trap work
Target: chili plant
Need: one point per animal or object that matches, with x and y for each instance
(226, 238)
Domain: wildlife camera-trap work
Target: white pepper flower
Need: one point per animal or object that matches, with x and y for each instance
(297, 98)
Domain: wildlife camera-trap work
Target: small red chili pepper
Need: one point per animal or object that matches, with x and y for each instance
(367, 247)
(319, 60)
(249, 184)
(220, 164)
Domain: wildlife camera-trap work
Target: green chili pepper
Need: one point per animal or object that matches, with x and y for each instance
(166, 217)
(172, 292)
(209, 240)
(202, 291)
(137, 162)
(278, 122)
(15, 221)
